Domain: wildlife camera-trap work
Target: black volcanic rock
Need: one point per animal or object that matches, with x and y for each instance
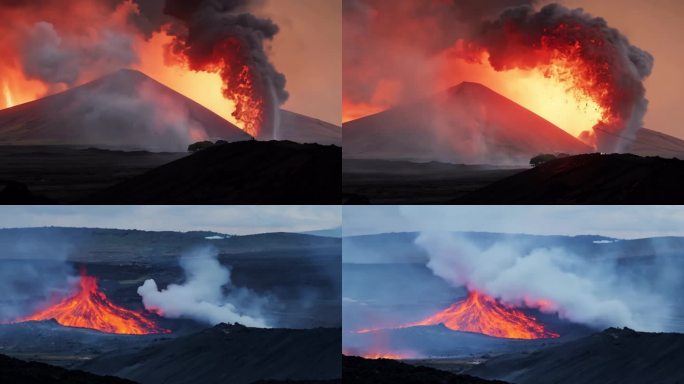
(438, 340)
(230, 354)
(337, 381)
(248, 172)
(13, 192)
(357, 370)
(25, 372)
(589, 179)
(614, 356)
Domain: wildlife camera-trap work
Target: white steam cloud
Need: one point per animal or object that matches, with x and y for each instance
(201, 297)
(581, 289)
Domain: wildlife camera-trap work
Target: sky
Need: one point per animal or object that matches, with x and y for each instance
(656, 26)
(308, 50)
(624, 222)
(234, 220)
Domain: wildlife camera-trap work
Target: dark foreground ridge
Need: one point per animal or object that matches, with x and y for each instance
(613, 356)
(230, 354)
(29, 372)
(358, 370)
(589, 179)
(249, 172)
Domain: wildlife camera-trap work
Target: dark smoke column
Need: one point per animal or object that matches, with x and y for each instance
(221, 36)
(577, 48)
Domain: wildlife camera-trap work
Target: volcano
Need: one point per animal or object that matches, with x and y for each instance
(468, 123)
(123, 109)
(484, 314)
(303, 129)
(89, 307)
(131, 110)
(648, 142)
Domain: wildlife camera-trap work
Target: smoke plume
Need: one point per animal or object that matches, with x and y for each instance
(585, 290)
(202, 295)
(48, 46)
(393, 52)
(124, 111)
(220, 36)
(33, 270)
(572, 46)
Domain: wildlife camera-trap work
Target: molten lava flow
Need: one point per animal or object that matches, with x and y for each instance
(8, 96)
(90, 308)
(384, 355)
(228, 59)
(483, 314)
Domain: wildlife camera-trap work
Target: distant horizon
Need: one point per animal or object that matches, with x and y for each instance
(233, 220)
(616, 222)
(310, 233)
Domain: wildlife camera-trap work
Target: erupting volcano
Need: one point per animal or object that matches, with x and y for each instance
(89, 307)
(484, 314)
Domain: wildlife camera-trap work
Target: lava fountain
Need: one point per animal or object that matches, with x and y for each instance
(89, 307)
(484, 314)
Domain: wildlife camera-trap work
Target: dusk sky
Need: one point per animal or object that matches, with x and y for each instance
(308, 50)
(238, 220)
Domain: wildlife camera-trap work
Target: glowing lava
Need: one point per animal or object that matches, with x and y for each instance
(8, 96)
(90, 308)
(228, 59)
(483, 314)
(384, 355)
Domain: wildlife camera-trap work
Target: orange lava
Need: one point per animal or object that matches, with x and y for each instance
(89, 307)
(384, 355)
(228, 59)
(483, 314)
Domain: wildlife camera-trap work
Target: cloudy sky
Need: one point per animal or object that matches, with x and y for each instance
(240, 220)
(614, 221)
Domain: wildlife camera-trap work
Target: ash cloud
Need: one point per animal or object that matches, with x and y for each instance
(591, 291)
(55, 59)
(395, 51)
(125, 111)
(204, 33)
(33, 270)
(391, 48)
(608, 60)
(207, 294)
(52, 43)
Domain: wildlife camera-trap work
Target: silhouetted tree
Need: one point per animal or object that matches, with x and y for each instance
(194, 147)
(541, 159)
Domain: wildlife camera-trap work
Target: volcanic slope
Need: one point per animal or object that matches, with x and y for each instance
(652, 143)
(230, 354)
(382, 371)
(25, 372)
(304, 129)
(436, 340)
(468, 123)
(613, 356)
(589, 179)
(253, 172)
(123, 109)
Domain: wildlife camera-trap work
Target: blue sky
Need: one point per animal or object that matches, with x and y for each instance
(614, 221)
(239, 219)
